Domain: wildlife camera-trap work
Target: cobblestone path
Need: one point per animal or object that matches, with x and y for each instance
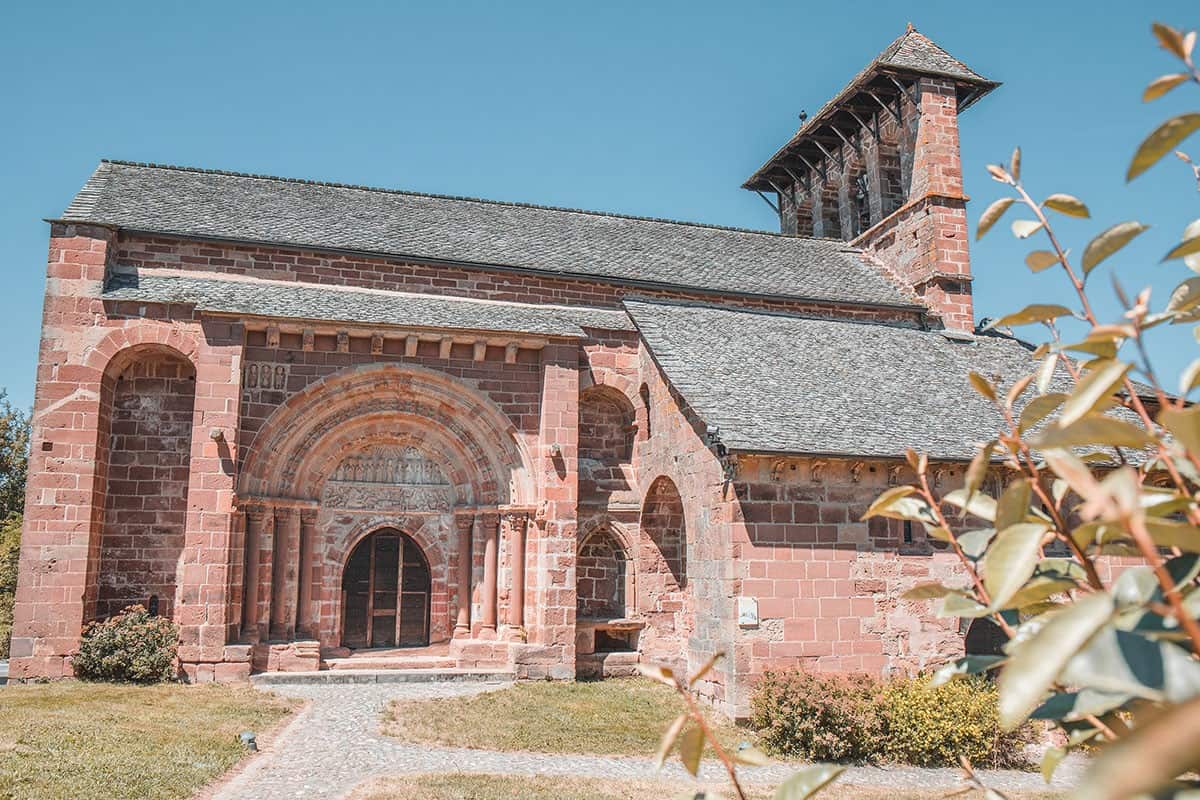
(336, 744)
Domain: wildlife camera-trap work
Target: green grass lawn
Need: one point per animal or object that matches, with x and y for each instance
(612, 717)
(77, 740)
(498, 787)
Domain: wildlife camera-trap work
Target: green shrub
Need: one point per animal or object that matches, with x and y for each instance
(932, 726)
(818, 717)
(131, 647)
(10, 549)
(833, 717)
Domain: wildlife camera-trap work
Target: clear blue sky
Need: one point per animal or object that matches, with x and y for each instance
(644, 108)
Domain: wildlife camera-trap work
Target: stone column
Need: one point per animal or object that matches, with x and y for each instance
(266, 573)
(491, 566)
(283, 579)
(305, 625)
(256, 524)
(514, 524)
(463, 524)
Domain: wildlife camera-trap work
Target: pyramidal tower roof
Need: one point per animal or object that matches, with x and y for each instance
(915, 52)
(910, 56)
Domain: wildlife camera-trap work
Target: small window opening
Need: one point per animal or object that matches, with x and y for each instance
(616, 641)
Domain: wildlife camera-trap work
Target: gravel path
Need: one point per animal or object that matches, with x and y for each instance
(335, 744)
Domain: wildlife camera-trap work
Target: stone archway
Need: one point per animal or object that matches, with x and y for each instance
(369, 447)
(386, 592)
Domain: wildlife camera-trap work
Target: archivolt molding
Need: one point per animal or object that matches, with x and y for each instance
(306, 438)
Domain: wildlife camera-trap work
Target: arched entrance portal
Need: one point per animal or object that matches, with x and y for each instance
(385, 593)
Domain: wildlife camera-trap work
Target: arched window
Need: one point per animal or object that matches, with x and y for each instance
(662, 522)
(147, 399)
(606, 431)
(604, 576)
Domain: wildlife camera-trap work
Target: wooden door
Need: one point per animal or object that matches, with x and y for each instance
(385, 593)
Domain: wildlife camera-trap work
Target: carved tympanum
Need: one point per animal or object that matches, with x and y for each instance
(389, 478)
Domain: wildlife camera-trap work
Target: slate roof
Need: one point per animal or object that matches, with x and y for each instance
(631, 250)
(910, 52)
(779, 383)
(915, 52)
(305, 301)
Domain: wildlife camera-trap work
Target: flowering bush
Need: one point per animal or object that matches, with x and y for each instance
(131, 647)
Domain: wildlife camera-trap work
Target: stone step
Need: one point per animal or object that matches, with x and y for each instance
(392, 662)
(382, 676)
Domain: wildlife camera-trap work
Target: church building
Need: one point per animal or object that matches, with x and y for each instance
(332, 427)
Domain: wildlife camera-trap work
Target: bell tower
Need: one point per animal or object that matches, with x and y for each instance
(878, 166)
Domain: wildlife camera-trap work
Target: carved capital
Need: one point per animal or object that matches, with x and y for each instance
(256, 513)
(286, 513)
(464, 522)
(515, 520)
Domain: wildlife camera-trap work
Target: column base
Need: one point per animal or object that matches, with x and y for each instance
(513, 633)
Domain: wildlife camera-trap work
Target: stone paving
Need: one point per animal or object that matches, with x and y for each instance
(336, 744)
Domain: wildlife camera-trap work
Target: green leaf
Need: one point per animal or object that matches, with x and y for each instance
(1162, 140)
(898, 503)
(1096, 429)
(1184, 425)
(1037, 312)
(1035, 664)
(1190, 377)
(691, 749)
(1024, 228)
(1185, 248)
(1038, 409)
(1134, 586)
(704, 668)
(659, 673)
(1050, 761)
(1013, 505)
(1163, 84)
(1172, 533)
(1184, 298)
(1039, 260)
(992, 215)
(1171, 40)
(929, 591)
(977, 469)
(1066, 204)
(1150, 757)
(978, 504)
(1011, 559)
(668, 739)
(960, 605)
(1092, 389)
(1109, 242)
(982, 385)
(967, 665)
(1072, 706)
(808, 781)
(1123, 662)
(974, 543)
(1045, 372)
(1039, 588)
(751, 756)
(1192, 231)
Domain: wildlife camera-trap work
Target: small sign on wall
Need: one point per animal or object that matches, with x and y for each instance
(747, 612)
